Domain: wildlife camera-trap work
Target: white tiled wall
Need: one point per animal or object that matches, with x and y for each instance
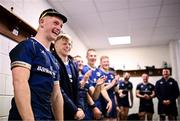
(6, 88)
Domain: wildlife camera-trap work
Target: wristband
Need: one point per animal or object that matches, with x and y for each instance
(92, 106)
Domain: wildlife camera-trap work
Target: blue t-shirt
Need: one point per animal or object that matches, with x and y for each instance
(44, 75)
(95, 75)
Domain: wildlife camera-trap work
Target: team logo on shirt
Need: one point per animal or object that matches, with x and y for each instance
(170, 83)
(94, 80)
(111, 76)
(42, 51)
(161, 82)
(150, 86)
(122, 84)
(46, 70)
(142, 86)
(98, 74)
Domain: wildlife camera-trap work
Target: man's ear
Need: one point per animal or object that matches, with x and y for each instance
(41, 21)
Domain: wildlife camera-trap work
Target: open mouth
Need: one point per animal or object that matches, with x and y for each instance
(56, 31)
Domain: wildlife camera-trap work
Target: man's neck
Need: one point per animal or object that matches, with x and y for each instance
(91, 65)
(63, 58)
(166, 78)
(46, 43)
(104, 70)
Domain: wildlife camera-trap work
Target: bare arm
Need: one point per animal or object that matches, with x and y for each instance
(96, 112)
(22, 92)
(153, 94)
(98, 88)
(110, 85)
(106, 97)
(138, 94)
(57, 103)
(114, 81)
(85, 78)
(131, 98)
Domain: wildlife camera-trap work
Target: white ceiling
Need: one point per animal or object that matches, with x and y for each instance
(148, 22)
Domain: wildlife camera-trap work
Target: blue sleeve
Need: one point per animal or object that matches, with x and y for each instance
(120, 84)
(138, 87)
(22, 54)
(131, 86)
(175, 93)
(157, 91)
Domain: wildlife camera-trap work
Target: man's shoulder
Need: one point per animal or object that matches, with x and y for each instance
(23, 45)
(139, 84)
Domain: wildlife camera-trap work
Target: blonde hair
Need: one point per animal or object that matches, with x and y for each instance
(64, 37)
(91, 49)
(103, 57)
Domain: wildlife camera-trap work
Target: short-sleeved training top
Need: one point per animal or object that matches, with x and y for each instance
(44, 74)
(146, 105)
(125, 87)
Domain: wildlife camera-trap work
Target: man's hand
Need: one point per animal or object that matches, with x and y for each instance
(109, 106)
(87, 75)
(147, 97)
(79, 114)
(121, 93)
(85, 78)
(96, 113)
(117, 77)
(166, 102)
(100, 80)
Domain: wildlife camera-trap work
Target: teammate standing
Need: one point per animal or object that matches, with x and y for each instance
(110, 82)
(68, 78)
(35, 73)
(146, 92)
(125, 90)
(167, 92)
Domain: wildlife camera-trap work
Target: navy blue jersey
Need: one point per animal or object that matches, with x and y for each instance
(109, 77)
(84, 90)
(167, 90)
(43, 75)
(95, 75)
(125, 87)
(83, 99)
(146, 105)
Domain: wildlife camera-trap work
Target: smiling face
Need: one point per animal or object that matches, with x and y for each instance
(104, 63)
(63, 45)
(91, 57)
(51, 27)
(145, 78)
(126, 76)
(79, 62)
(166, 73)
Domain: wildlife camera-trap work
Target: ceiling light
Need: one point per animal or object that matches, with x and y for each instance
(119, 40)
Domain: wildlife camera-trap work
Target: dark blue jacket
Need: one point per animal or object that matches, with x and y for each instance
(167, 90)
(69, 90)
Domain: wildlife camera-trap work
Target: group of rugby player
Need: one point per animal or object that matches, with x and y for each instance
(51, 85)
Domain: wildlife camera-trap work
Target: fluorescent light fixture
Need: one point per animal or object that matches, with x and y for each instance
(119, 40)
